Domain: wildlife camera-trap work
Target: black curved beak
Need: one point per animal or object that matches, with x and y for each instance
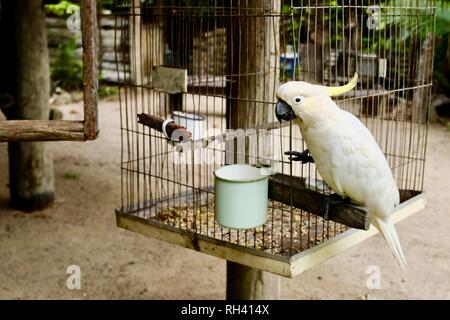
(283, 111)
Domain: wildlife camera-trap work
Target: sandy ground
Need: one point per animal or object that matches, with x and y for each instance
(79, 228)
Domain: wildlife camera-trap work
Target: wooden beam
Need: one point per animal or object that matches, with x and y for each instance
(41, 130)
(292, 191)
(44, 130)
(89, 33)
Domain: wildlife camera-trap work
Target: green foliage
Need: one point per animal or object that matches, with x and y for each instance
(108, 4)
(442, 51)
(67, 69)
(441, 70)
(106, 91)
(62, 9)
(72, 175)
(442, 20)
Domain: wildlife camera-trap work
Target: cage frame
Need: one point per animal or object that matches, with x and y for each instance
(68, 130)
(288, 266)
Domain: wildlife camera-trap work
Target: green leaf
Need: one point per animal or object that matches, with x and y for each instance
(61, 9)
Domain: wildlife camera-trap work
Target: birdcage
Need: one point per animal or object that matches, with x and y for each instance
(212, 68)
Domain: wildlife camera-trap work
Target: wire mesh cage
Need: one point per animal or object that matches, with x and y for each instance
(214, 66)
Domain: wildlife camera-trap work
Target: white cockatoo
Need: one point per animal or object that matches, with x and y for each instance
(344, 151)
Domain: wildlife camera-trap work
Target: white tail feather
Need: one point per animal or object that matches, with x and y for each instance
(387, 229)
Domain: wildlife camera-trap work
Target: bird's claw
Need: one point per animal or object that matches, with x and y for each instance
(304, 156)
(332, 199)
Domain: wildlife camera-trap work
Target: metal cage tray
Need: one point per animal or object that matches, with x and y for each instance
(256, 248)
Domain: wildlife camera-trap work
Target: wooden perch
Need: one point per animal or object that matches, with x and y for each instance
(281, 186)
(156, 123)
(41, 130)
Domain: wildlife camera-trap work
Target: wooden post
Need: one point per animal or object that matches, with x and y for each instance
(246, 283)
(312, 51)
(423, 74)
(147, 50)
(30, 163)
(252, 42)
(136, 62)
(90, 67)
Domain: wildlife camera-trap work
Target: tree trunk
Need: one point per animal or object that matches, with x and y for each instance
(252, 42)
(30, 163)
(246, 283)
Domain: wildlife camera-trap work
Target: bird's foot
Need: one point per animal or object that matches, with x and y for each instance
(332, 199)
(304, 156)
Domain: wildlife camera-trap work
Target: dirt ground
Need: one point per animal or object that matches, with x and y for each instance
(79, 228)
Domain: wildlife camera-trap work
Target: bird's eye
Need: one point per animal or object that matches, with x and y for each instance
(298, 99)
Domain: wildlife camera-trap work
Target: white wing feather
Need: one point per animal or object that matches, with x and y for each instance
(352, 164)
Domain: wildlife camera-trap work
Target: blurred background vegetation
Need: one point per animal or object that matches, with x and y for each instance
(441, 72)
(66, 66)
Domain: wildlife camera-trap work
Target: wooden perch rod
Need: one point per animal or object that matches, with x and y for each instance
(281, 186)
(41, 130)
(157, 123)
